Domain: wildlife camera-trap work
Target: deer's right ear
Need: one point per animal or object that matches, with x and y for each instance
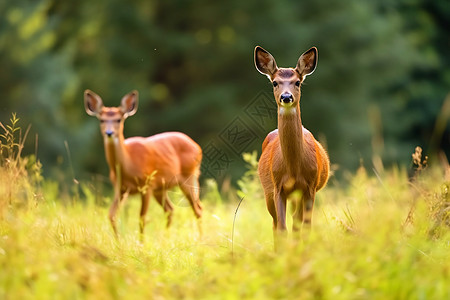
(264, 62)
(307, 62)
(92, 103)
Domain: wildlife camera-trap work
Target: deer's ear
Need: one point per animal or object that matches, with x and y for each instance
(92, 103)
(307, 62)
(129, 104)
(264, 62)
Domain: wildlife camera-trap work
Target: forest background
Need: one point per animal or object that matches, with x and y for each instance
(379, 89)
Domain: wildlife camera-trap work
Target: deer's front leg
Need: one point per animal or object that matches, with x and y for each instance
(115, 206)
(113, 211)
(145, 197)
(280, 207)
(280, 232)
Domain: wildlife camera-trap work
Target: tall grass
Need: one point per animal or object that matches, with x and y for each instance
(20, 177)
(380, 237)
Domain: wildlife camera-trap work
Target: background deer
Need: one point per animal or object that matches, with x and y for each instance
(148, 166)
(291, 159)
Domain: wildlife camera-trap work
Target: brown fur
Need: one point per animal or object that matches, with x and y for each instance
(291, 159)
(146, 166)
(286, 74)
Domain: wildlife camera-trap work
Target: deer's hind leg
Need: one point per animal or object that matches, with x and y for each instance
(302, 218)
(164, 201)
(308, 204)
(191, 189)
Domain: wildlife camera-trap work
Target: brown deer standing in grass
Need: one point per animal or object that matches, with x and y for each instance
(145, 165)
(291, 159)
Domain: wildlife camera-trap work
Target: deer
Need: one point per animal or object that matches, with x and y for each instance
(291, 159)
(148, 166)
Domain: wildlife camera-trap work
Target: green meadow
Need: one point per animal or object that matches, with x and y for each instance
(379, 236)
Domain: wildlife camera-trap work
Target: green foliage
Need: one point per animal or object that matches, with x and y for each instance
(211, 192)
(192, 64)
(10, 148)
(249, 183)
(372, 240)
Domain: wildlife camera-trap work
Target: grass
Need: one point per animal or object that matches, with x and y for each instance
(379, 237)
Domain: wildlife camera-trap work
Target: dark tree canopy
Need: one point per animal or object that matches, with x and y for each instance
(382, 77)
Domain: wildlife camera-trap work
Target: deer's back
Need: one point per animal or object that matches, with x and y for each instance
(168, 157)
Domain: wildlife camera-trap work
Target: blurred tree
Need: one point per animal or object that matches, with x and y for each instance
(381, 79)
(416, 98)
(34, 79)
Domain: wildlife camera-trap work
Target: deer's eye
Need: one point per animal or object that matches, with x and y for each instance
(118, 121)
(297, 83)
(275, 84)
(102, 121)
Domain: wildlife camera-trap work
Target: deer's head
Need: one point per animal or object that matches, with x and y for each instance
(111, 118)
(286, 81)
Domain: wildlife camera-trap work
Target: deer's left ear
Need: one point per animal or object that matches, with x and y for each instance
(129, 104)
(307, 62)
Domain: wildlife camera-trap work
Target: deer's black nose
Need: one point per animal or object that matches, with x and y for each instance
(109, 133)
(286, 98)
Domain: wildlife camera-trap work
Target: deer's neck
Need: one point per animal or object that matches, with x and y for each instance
(116, 154)
(290, 131)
